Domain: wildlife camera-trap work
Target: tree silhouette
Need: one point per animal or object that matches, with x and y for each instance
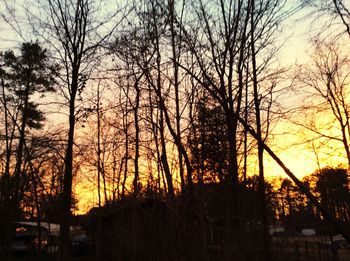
(326, 80)
(332, 187)
(208, 142)
(29, 73)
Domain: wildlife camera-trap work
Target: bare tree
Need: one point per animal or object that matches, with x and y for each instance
(142, 61)
(257, 106)
(325, 81)
(337, 14)
(74, 32)
(343, 13)
(155, 80)
(223, 46)
(176, 44)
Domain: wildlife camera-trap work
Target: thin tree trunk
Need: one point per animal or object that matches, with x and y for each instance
(98, 146)
(114, 175)
(137, 139)
(157, 88)
(155, 128)
(19, 152)
(262, 196)
(126, 156)
(6, 176)
(103, 174)
(164, 159)
(67, 181)
(175, 58)
(33, 173)
(99, 228)
(38, 213)
(245, 145)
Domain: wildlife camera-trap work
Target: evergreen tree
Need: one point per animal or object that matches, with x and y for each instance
(24, 75)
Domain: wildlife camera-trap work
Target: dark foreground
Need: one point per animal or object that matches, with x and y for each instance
(282, 248)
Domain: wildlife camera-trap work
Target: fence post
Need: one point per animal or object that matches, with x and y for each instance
(334, 250)
(319, 251)
(297, 250)
(306, 249)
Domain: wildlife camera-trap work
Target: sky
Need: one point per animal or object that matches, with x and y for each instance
(287, 141)
(300, 157)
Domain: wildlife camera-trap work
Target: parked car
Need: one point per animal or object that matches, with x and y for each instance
(27, 243)
(82, 246)
(339, 241)
(308, 232)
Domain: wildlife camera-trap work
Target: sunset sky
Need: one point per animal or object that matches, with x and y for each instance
(287, 139)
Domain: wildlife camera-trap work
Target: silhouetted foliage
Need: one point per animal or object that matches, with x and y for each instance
(332, 187)
(208, 142)
(29, 73)
(165, 136)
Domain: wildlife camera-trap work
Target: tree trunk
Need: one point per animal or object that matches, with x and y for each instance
(68, 179)
(19, 152)
(262, 196)
(164, 160)
(6, 176)
(137, 139)
(175, 58)
(126, 155)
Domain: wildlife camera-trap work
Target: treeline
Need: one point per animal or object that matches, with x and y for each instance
(161, 98)
(329, 185)
(152, 229)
